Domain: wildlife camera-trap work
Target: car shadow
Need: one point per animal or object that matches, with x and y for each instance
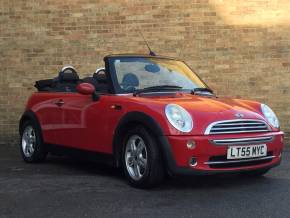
(214, 181)
(76, 165)
(69, 165)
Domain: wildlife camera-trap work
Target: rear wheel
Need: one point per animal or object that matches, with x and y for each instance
(32, 148)
(141, 158)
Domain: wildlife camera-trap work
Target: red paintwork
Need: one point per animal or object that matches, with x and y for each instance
(85, 88)
(86, 124)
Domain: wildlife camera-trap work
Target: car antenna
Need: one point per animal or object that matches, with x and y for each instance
(151, 53)
(181, 51)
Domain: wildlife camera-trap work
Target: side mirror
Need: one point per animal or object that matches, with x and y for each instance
(86, 89)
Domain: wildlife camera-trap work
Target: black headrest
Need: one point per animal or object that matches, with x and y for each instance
(68, 75)
(100, 77)
(130, 79)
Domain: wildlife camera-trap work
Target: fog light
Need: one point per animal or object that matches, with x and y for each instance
(192, 162)
(190, 144)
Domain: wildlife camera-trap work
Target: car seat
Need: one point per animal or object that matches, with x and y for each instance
(67, 80)
(99, 81)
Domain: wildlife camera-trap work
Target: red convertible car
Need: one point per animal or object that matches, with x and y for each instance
(150, 116)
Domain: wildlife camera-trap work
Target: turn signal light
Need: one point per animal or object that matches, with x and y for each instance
(191, 144)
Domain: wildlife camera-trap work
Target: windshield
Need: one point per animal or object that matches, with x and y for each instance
(137, 73)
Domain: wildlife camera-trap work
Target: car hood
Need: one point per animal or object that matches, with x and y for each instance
(206, 110)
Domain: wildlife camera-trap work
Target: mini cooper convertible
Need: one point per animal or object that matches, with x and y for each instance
(151, 116)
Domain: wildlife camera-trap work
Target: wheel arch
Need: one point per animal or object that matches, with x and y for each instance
(29, 115)
(128, 121)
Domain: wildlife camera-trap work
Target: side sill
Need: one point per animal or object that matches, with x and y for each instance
(92, 156)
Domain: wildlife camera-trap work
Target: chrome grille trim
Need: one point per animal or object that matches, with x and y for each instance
(239, 161)
(242, 141)
(241, 127)
(234, 124)
(237, 126)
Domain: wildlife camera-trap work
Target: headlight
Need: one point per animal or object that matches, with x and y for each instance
(179, 117)
(270, 115)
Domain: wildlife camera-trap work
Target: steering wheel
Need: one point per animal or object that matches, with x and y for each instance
(129, 88)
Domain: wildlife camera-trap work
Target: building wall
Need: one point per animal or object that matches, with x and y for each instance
(240, 48)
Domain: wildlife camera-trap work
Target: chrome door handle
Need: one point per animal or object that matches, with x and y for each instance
(59, 103)
(116, 107)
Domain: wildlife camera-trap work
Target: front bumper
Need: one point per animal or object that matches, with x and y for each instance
(211, 158)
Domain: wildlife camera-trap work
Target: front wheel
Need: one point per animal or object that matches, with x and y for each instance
(141, 158)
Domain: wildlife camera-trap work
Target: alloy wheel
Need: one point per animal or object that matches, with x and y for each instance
(136, 157)
(28, 141)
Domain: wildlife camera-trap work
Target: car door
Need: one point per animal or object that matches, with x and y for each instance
(50, 116)
(84, 123)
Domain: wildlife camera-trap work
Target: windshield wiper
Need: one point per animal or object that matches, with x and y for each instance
(157, 88)
(205, 91)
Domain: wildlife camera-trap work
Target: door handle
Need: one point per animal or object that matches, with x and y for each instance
(116, 107)
(59, 102)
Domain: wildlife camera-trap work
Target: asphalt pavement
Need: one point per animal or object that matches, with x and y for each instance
(65, 187)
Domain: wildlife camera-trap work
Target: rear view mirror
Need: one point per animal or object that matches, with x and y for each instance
(86, 89)
(152, 68)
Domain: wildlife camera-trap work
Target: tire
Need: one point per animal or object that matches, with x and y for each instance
(147, 155)
(32, 148)
(255, 173)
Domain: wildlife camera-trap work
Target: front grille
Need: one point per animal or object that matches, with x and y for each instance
(222, 161)
(242, 141)
(237, 126)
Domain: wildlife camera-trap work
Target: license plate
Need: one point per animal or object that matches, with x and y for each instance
(248, 151)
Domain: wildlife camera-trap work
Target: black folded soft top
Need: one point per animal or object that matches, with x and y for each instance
(44, 85)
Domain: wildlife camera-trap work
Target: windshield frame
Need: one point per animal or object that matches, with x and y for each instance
(109, 62)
